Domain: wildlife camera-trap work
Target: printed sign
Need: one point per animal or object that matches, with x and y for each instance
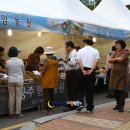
(32, 96)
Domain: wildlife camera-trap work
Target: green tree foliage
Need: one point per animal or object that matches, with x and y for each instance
(128, 7)
(91, 5)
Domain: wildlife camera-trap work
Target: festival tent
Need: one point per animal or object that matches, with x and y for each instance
(114, 11)
(45, 14)
(126, 2)
(56, 9)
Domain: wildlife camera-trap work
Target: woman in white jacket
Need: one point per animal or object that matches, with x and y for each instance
(15, 71)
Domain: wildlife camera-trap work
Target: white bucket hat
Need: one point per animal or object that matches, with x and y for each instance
(49, 50)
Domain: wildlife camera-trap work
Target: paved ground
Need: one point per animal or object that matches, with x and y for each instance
(32, 114)
(103, 118)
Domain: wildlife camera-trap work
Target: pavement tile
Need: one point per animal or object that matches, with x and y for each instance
(68, 125)
(125, 126)
(94, 121)
(103, 118)
(109, 114)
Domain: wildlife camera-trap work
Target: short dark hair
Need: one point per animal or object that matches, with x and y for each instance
(88, 41)
(39, 50)
(1, 49)
(13, 52)
(114, 48)
(77, 47)
(70, 44)
(122, 43)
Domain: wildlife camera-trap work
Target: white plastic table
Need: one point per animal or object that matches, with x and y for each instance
(100, 76)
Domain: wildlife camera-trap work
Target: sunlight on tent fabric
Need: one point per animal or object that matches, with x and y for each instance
(114, 8)
(126, 2)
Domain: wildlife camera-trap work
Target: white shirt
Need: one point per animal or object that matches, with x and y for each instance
(72, 61)
(88, 55)
(15, 70)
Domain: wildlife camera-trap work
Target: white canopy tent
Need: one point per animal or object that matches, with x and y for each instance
(58, 9)
(126, 2)
(43, 14)
(114, 11)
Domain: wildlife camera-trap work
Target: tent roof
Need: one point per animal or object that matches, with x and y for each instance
(126, 2)
(114, 11)
(47, 14)
(59, 9)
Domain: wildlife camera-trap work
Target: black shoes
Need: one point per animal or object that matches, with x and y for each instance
(79, 108)
(115, 108)
(118, 109)
(121, 110)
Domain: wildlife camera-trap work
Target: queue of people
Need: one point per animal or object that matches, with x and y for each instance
(80, 69)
